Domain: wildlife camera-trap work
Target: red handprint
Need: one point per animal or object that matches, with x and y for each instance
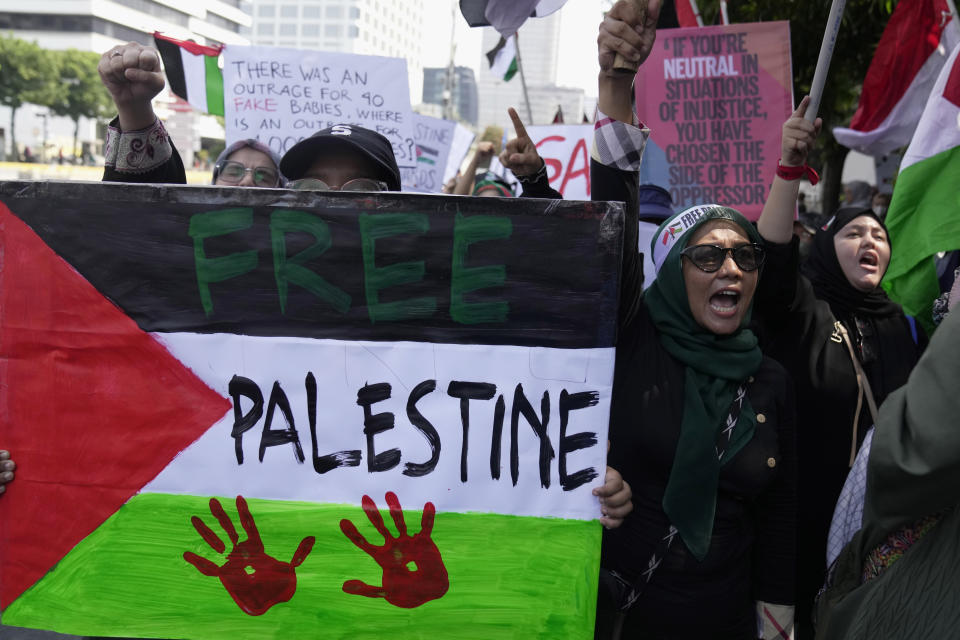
(253, 579)
(413, 571)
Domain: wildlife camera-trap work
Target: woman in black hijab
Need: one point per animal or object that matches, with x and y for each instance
(826, 326)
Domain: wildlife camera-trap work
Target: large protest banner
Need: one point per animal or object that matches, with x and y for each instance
(715, 99)
(280, 96)
(565, 149)
(178, 361)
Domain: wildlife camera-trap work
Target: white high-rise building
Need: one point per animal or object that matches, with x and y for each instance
(539, 45)
(97, 25)
(370, 27)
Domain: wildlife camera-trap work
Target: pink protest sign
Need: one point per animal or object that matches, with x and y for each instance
(714, 99)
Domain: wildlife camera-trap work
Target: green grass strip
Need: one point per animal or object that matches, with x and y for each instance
(510, 577)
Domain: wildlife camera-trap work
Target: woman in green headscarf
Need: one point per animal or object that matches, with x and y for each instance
(701, 423)
(702, 430)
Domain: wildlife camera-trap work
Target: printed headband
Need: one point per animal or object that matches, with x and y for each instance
(673, 229)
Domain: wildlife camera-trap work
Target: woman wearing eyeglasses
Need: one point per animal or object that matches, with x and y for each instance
(248, 163)
(702, 423)
(845, 343)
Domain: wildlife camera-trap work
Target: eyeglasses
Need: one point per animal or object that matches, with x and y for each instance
(710, 257)
(357, 184)
(233, 172)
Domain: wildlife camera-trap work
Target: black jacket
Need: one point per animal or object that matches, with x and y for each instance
(751, 556)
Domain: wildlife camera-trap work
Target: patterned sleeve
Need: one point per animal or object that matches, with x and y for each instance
(617, 144)
(146, 156)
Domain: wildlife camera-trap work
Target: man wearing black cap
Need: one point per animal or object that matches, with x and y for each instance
(345, 157)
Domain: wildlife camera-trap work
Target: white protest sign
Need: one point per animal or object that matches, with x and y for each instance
(280, 96)
(565, 149)
(462, 139)
(433, 137)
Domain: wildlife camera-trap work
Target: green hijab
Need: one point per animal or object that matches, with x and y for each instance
(715, 366)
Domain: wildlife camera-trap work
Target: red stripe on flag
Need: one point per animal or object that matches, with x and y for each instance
(92, 407)
(951, 91)
(191, 46)
(910, 38)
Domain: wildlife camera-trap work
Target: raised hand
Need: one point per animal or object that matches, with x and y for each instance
(413, 571)
(131, 73)
(520, 154)
(798, 136)
(623, 31)
(253, 579)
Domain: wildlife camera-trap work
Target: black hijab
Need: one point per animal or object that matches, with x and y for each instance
(828, 280)
(876, 324)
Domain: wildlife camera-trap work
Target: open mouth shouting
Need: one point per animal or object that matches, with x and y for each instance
(869, 260)
(725, 302)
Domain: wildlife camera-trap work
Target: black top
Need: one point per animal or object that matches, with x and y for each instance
(797, 329)
(751, 556)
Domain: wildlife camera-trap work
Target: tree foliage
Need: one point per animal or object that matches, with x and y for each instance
(81, 94)
(862, 26)
(27, 74)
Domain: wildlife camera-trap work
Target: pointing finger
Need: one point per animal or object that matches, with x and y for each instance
(517, 123)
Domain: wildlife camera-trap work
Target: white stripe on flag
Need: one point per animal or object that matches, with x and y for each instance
(195, 77)
(898, 127)
(341, 368)
(504, 57)
(939, 128)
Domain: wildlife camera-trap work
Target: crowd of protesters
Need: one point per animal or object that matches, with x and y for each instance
(762, 364)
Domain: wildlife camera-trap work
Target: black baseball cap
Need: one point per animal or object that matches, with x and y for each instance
(340, 137)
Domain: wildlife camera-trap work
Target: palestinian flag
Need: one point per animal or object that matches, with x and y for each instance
(346, 417)
(913, 48)
(923, 218)
(506, 16)
(503, 58)
(193, 71)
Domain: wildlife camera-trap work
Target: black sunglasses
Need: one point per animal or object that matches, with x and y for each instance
(710, 257)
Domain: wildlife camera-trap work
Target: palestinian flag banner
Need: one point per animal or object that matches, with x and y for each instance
(924, 219)
(503, 58)
(257, 413)
(193, 71)
(915, 44)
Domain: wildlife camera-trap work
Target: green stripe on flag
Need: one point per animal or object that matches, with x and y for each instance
(511, 70)
(924, 218)
(214, 85)
(509, 576)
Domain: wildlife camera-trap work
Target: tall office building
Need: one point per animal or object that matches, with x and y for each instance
(463, 95)
(97, 25)
(539, 45)
(370, 27)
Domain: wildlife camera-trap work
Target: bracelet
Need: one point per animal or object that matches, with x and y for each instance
(795, 173)
(534, 177)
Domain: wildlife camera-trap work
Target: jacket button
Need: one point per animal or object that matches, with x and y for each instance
(771, 462)
(761, 418)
